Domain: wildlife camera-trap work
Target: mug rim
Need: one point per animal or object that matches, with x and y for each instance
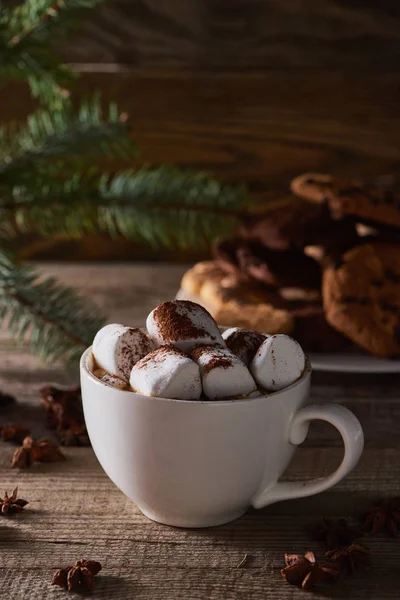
(88, 373)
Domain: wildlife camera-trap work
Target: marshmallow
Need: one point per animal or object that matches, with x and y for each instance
(183, 324)
(167, 373)
(244, 343)
(117, 348)
(278, 362)
(223, 374)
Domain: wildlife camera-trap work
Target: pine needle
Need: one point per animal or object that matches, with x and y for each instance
(52, 318)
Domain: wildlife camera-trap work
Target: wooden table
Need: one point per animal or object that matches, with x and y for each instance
(75, 511)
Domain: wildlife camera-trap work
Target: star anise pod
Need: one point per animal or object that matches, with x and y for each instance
(11, 504)
(384, 515)
(305, 572)
(36, 451)
(6, 400)
(14, 433)
(80, 575)
(74, 436)
(351, 558)
(334, 533)
(63, 406)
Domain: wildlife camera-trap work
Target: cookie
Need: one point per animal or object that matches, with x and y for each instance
(230, 289)
(317, 187)
(367, 203)
(201, 272)
(237, 305)
(297, 225)
(361, 295)
(313, 187)
(252, 261)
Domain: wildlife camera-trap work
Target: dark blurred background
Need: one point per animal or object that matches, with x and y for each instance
(250, 90)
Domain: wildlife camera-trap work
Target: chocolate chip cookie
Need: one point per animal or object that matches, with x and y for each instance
(367, 203)
(239, 304)
(252, 261)
(297, 225)
(201, 272)
(361, 294)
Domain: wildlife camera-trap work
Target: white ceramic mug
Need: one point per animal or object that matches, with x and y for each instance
(199, 464)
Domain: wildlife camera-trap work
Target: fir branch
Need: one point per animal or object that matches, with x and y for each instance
(49, 81)
(57, 323)
(170, 207)
(36, 20)
(75, 138)
(27, 34)
(161, 207)
(53, 207)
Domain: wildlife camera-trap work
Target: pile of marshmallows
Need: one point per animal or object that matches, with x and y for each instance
(183, 355)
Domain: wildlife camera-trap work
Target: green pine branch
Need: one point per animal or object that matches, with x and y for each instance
(36, 20)
(163, 207)
(27, 35)
(68, 138)
(169, 207)
(52, 318)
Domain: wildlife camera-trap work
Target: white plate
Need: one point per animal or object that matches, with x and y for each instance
(357, 362)
(344, 362)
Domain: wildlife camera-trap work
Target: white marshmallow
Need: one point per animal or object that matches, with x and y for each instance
(114, 381)
(223, 374)
(183, 324)
(167, 373)
(278, 362)
(117, 348)
(244, 343)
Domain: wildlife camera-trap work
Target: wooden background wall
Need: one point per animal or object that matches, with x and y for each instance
(253, 90)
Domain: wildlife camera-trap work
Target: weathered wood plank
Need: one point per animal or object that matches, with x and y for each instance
(261, 127)
(236, 34)
(76, 511)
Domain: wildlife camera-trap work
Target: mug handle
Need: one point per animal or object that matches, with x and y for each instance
(352, 434)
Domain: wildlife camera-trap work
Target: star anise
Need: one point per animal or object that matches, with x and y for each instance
(80, 575)
(384, 515)
(36, 451)
(11, 504)
(6, 400)
(63, 406)
(74, 436)
(305, 572)
(334, 533)
(14, 433)
(65, 414)
(351, 558)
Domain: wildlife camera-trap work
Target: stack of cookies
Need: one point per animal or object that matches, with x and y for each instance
(324, 268)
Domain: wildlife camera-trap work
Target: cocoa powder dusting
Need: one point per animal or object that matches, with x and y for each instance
(217, 357)
(201, 349)
(245, 344)
(174, 325)
(159, 355)
(219, 362)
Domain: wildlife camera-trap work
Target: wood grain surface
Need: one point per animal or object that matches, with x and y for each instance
(75, 511)
(241, 34)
